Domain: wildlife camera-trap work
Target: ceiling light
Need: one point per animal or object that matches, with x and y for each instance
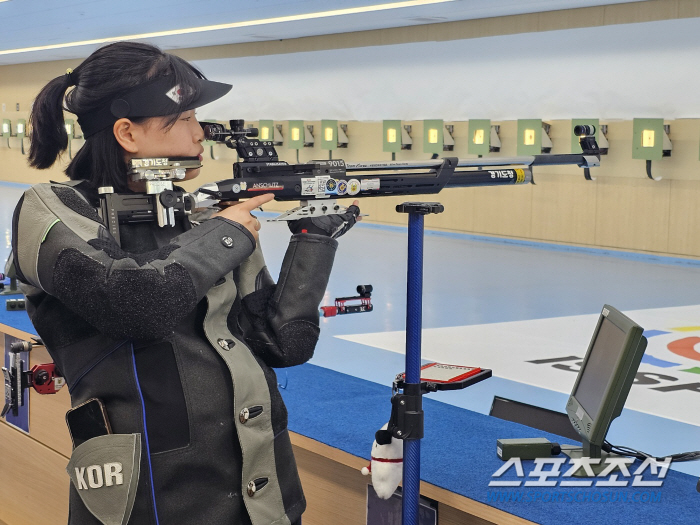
(235, 25)
(427, 19)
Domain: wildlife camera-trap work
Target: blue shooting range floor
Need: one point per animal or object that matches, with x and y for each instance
(497, 303)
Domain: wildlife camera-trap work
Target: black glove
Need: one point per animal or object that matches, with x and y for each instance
(331, 225)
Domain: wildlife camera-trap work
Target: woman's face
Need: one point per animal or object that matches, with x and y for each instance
(153, 138)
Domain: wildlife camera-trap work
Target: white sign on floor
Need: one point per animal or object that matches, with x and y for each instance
(547, 353)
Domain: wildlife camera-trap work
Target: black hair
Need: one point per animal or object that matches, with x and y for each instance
(100, 79)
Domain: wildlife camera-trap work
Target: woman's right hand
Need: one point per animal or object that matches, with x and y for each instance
(240, 212)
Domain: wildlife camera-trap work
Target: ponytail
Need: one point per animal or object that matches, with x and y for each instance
(47, 127)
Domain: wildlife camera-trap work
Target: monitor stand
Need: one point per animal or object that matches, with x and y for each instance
(13, 289)
(589, 450)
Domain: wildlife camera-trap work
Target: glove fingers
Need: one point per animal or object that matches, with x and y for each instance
(347, 221)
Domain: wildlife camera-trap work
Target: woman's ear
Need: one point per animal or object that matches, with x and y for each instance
(126, 133)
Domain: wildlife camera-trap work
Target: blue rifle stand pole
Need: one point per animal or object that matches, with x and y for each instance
(412, 386)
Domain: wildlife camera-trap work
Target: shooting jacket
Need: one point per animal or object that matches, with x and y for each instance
(176, 331)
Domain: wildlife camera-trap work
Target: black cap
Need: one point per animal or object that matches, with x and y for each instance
(156, 98)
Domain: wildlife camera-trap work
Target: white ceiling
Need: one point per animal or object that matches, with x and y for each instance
(73, 28)
(626, 71)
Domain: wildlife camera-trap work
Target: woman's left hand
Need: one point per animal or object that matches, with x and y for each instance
(332, 225)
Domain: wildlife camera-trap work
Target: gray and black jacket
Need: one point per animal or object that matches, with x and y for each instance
(176, 331)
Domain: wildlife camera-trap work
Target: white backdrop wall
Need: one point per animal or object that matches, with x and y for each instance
(609, 72)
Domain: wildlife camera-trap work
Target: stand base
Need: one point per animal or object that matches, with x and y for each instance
(12, 288)
(577, 453)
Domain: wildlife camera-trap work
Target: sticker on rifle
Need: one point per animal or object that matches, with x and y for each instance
(236, 188)
(244, 186)
(520, 176)
(342, 187)
(353, 187)
(369, 184)
(331, 186)
(308, 186)
(321, 185)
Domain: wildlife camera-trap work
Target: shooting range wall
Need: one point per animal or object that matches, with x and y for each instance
(614, 63)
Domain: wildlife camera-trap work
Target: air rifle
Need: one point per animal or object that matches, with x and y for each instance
(318, 184)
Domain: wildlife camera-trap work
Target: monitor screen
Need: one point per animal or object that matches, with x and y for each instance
(600, 369)
(605, 378)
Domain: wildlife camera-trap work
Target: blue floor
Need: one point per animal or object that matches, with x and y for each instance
(477, 284)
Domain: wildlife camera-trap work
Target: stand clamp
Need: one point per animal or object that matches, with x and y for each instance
(406, 420)
(421, 208)
(342, 307)
(44, 378)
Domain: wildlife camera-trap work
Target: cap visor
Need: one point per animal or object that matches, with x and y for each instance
(209, 92)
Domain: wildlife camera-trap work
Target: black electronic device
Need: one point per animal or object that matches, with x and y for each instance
(15, 304)
(87, 420)
(526, 448)
(604, 381)
(533, 416)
